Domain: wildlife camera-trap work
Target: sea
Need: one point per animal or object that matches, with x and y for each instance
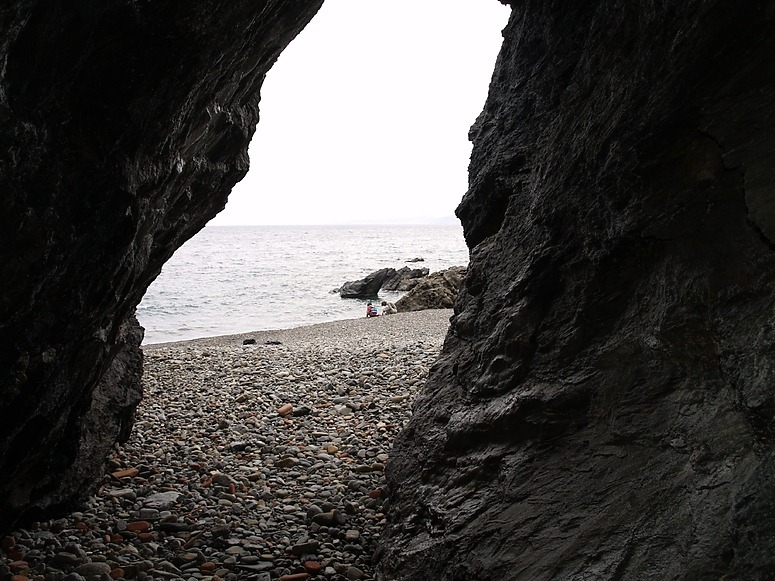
(238, 279)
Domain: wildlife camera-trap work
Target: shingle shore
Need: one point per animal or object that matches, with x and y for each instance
(261, 461)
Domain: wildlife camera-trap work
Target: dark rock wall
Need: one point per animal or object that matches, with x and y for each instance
(123, 126)
(604, 404)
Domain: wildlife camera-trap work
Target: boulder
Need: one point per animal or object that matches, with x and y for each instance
(368, 287)
(388, 279)
(437, 291)
(404, 279)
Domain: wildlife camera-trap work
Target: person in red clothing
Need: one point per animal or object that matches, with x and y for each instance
(371, 310)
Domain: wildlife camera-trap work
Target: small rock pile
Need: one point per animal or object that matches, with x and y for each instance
(260, 462)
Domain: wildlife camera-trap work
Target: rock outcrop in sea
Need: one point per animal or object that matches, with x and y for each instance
(438, 290)
(405, 279)
(388, 279)
(603, 404)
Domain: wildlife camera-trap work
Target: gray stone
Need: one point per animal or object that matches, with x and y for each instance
(92, 571)
(353, 573)
(305, 548)
(162, 500)
(149, 514)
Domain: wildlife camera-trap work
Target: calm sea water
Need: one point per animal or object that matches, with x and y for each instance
(237, 279)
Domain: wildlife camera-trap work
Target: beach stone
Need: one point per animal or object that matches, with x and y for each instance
(173, 527)
(168, 567)
(295, 577)
(305, 548)
(93, 570)
(19, 565)
(224, 480)
(329, 519)
(162, 500)
(354, 574)
(149, 514)
(64, 558)
(139, 526)
(125, 473)
(288, 462)
(127, 493)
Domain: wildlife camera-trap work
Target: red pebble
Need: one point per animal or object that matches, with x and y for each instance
(295, 577)
(126, 473)
(139, 526)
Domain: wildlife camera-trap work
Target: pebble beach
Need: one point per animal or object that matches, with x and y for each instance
(262, 461)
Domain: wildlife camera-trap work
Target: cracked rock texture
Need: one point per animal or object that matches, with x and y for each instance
(123, 127)
(604, 404)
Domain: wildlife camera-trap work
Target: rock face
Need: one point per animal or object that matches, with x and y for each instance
(604, 405)
(437, 291)
(123, 127)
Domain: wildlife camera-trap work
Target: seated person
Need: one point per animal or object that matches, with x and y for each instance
(371, 310)
(388, 308)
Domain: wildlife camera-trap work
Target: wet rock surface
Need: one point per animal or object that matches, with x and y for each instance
(218, 480)
(603, 408)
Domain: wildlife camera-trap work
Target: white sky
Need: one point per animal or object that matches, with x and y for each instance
(365, 116)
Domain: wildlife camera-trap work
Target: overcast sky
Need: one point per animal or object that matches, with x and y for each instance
(365, 116)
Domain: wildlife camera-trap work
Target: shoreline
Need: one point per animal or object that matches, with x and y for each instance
(427, 323)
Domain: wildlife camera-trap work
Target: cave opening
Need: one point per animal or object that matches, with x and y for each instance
(357, 164)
